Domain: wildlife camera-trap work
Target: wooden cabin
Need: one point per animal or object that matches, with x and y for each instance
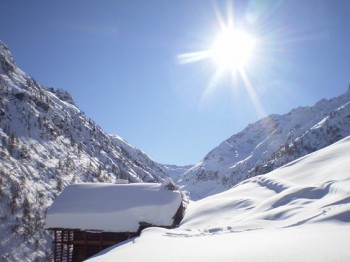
(87, 218)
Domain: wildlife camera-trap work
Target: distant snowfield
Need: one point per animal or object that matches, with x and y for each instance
(299, 212)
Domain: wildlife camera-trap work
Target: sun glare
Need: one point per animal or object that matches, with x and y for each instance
(232, 52)
(233, 49)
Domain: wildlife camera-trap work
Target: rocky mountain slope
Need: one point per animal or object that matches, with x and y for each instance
(46, 143)
(267, 144)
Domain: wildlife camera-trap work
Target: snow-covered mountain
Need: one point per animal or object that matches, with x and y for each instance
(298, 212)
(46, 143)
(267, 144)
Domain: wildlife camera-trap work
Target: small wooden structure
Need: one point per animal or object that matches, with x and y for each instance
(88, 218)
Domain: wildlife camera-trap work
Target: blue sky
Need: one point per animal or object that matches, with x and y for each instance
(119, 60)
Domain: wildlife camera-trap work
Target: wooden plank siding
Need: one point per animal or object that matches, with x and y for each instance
(76, 245)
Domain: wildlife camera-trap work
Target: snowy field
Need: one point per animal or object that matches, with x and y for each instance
(299, 212)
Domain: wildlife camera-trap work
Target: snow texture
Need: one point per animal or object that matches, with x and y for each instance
(299, 212)
(113, 208)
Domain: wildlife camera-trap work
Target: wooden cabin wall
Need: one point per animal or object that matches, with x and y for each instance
(77, 245)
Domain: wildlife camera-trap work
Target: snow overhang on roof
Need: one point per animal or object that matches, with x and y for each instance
(113, 207)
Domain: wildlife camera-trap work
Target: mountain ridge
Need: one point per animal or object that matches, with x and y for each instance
(267, 144)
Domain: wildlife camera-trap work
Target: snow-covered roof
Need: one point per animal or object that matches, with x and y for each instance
(113, 207)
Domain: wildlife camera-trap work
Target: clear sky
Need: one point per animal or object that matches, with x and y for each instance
(120, 61)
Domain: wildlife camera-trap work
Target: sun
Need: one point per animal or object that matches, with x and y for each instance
(236, 54)
(233, 49)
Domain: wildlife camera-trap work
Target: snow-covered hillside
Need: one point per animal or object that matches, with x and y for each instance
(46, 143)
(267, 144)
(298, 212)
